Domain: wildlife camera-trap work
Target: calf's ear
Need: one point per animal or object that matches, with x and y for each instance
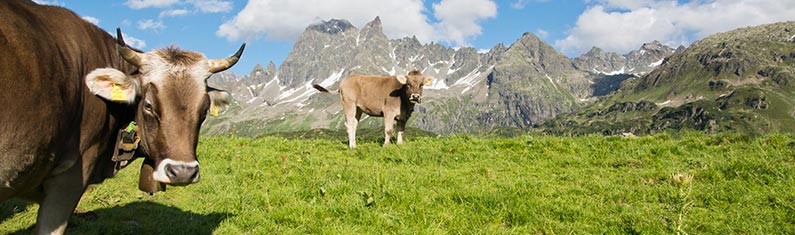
(428, 80)
(219, 100)
(402, 79)
(113, 85)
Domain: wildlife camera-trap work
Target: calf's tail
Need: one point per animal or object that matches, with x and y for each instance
(322, 89)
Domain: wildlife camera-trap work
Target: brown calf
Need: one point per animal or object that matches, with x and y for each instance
(391, 97)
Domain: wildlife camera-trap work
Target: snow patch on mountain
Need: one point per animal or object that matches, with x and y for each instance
(299, 94)
(470, 80)
(616, 72)
(451, 71)
(553, 82)
(333, 78)
(658, 63)
(391, 72)
(438, 84)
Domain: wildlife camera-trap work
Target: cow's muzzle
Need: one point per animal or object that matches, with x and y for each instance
(415, 98)
(177, 173)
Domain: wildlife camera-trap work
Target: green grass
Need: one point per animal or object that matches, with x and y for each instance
(661, 184)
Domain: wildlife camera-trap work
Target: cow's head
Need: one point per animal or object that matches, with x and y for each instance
(414, 83)
(172, 99)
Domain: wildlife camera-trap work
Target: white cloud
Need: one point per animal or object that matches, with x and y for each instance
(90, 19)
(173, 12)
(212, 6)
(542, 33)
(151, 24)
(624, 25)
(52, 3)
(623, 4)
(133, 42)
(139, 4)
(286, 19)
(459, 18)
(520, 4)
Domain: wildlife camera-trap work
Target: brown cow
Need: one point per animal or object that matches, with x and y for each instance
(391, 97)
(67, 88)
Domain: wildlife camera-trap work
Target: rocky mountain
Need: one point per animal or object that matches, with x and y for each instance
(740, 80)
(637, 62)
(516, 86)
(611, 69)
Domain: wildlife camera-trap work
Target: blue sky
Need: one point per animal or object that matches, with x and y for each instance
(270, 27)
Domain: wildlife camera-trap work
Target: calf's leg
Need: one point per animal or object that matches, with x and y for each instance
(401, 125)
(389, 123)
(352, 116)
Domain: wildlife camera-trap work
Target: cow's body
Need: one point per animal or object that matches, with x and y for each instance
(58, 126)
(390, 97)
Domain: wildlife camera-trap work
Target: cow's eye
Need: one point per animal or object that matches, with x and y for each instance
(147, 106)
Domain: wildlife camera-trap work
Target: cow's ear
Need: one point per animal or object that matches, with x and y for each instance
(428, 80)
(113, 85)
(219, 100)
(402, 79)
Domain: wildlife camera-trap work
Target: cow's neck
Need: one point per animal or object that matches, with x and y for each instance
(102, 119)
(406, 106)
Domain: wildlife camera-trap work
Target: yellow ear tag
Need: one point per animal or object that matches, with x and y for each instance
(117, 94)
(214, 111)
(428, 82)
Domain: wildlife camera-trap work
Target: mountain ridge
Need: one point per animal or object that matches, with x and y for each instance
(739, 80)
(516, 86)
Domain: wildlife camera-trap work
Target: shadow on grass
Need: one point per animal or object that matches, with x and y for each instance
(10, 207)
(141, 218)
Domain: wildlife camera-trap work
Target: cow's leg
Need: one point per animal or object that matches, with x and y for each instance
(401, 125)
(352, 115)
(389, 125)
(62, 192)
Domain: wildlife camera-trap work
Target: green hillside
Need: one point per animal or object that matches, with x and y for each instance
(741, 80)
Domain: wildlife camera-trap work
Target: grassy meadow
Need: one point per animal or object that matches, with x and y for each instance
(688, 183)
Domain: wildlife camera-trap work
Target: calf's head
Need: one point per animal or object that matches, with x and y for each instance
(171, 100)
(414, 82)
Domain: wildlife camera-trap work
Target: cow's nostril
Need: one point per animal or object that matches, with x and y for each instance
(195, 175)
(172, 171)
(182, 174)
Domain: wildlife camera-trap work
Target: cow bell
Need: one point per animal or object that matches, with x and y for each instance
(146, 182)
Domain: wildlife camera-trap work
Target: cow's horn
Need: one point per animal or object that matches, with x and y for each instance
(218, 65)
(130, 55)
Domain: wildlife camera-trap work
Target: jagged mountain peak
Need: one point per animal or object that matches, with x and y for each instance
(498, 47)
(530, 35)
(375, 24)
(333, 26)
(258, 67)
(653, 45)
(528, 38)
(595, 51)
(373, 30)
(637, 62)
(534, 48)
